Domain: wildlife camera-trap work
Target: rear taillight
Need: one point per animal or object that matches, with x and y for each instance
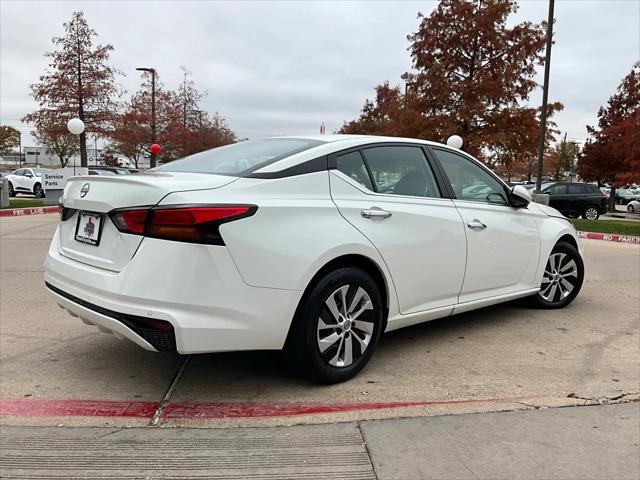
(182, 223)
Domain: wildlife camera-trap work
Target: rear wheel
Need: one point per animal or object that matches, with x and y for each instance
(38, 191)
(630, 208)
(12, 192)
(591, 213)
(562, 279)
(337, 326)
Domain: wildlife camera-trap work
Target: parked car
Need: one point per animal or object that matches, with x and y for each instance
(106, 168)
(633, 206)
(100, 171)
(625, 195)
(575, 199)
(290, 243)
(26, 180)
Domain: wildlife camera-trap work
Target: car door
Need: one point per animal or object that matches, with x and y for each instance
(503, 243)
(390, 194)
(558, 198)
(18, 179)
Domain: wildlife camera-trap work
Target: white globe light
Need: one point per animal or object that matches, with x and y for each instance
(454, 141)
(75, 126)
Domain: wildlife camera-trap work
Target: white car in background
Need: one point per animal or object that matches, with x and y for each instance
(316, 245)
(633, 206)
(27, 180)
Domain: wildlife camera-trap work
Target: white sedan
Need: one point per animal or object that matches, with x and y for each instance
(316, 245)
(633, 206)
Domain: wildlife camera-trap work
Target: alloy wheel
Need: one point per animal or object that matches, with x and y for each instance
(591, 213)
(560, 278)
(345, 326)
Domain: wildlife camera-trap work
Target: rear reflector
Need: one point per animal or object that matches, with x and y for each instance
(183, 223)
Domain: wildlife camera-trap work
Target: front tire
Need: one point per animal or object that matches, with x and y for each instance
(631, 209)
(562, 279)
(38, 191)
(337, 326)
(591, 213)
(12, 192)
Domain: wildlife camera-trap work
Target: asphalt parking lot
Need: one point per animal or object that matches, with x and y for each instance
(55, 370)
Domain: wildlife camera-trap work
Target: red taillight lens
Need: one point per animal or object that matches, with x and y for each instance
(198, 224)
(130, 221)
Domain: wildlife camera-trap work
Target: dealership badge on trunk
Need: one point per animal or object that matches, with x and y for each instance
(84, 190)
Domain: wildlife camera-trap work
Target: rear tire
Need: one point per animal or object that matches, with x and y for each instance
(591, 213)
(562, 280)
(631, 209)
(337, 326)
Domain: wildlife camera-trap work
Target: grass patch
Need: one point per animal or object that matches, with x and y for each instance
(25, 202)
(617, 227)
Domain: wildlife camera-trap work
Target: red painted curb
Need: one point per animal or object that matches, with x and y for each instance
(255, 409)
(21, 212)
(609, 237)
(27, 407)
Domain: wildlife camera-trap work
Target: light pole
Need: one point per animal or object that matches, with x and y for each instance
(152, 162)
(545, 94)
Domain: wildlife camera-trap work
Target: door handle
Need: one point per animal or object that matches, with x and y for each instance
(375, 212)
(476, 224)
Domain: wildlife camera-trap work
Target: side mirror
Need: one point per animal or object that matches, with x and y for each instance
(520, 196)
(28, 175)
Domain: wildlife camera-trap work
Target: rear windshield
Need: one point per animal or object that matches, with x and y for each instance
(240, 158)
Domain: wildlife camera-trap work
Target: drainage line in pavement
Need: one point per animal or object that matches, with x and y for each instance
(155, 421)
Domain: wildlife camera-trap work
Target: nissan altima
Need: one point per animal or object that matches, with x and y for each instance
(315, 245)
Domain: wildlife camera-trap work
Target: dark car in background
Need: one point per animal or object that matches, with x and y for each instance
(575, 199)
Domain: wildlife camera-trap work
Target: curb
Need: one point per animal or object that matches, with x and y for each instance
(609, 237)
(21, 212)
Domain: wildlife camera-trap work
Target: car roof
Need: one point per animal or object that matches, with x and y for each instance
(334, 143)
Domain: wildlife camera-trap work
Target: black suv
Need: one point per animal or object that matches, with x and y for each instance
(575, 199)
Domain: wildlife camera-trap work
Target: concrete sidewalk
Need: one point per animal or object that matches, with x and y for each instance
(564, 443)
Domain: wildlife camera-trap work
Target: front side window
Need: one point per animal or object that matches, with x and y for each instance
(470, 181)
(401, 170)
(240, 158)
(352, 165)
(556, 190)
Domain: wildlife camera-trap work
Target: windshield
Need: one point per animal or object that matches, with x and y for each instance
(240, 158)
(38, 171)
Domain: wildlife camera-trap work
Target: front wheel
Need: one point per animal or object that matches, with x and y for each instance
(631, 209)
(12, 192)
(38, 191)
(591, 213)
(337, 326)
(562, 279)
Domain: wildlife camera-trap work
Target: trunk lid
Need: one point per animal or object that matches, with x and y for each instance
(101, 194)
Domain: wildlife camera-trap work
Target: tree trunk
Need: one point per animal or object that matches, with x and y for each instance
(612, 200)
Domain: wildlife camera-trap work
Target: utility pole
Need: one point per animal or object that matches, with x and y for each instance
(545, 95)
(20, 149)
(152, 71)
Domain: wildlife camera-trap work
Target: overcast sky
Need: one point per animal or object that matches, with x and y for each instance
(275, 68)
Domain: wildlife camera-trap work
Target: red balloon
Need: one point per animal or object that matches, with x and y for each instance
(155, 149)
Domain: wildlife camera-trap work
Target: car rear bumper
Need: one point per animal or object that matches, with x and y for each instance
(195, 288)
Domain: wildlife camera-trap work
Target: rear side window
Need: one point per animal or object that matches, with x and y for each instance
(401, 170)
(240, 158)
(352, 165)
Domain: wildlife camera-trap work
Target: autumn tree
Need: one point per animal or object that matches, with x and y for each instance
(9, 139)
(78, 83)
(58, 142)
(182, 128)
(471, 75)
(612, 152)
